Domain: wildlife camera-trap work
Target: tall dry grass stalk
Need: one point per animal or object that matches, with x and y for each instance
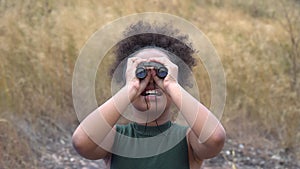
(40, 41)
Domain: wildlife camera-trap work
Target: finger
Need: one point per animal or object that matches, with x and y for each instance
(156, 79)
(172, 68)
(132, 63)
(144, 82)
(162, 60)
(129, 68)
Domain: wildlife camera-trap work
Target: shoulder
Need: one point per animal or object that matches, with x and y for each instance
(193, 160)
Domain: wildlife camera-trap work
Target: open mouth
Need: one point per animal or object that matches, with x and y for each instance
(154, 92)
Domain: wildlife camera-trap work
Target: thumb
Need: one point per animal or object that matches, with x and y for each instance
(157, 80)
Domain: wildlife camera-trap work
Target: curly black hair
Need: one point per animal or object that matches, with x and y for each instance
(142, 35)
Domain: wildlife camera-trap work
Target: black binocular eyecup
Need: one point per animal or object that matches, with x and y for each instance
(141, 70)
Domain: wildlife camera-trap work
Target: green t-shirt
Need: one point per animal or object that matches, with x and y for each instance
(151, 147)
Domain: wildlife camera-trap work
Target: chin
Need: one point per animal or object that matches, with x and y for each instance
(141, 108)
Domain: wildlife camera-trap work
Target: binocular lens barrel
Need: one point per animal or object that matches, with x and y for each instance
(141, 73)
(141, 70)
(162, 72)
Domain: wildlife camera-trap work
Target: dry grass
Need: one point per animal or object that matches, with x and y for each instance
(40, 42)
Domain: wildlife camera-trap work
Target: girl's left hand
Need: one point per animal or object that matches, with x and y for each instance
(170, 79)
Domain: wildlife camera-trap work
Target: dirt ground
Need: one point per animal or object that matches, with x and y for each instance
(54, 150)
(60, 154)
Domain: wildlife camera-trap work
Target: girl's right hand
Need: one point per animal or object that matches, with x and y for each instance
(134, 85)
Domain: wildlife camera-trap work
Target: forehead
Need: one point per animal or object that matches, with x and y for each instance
(150, 53)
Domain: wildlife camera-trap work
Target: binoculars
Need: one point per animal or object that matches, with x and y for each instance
(141, 70)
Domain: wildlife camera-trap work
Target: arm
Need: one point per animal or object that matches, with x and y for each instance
(90, 134)
(207, 135)
(95, 131)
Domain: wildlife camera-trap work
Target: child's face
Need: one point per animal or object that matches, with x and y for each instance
(153, 98)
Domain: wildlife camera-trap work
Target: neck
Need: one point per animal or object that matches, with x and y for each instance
(165, 117)
(154, 123)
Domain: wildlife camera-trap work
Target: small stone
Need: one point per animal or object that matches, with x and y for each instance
(62, 141)
(276, 157)
(262, 163)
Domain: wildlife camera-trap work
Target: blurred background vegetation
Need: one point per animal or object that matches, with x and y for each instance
(258, 42)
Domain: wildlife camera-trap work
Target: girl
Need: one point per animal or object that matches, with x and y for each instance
(151, 140)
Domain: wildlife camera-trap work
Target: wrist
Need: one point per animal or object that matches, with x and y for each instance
(130, 91)
(173, 88)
